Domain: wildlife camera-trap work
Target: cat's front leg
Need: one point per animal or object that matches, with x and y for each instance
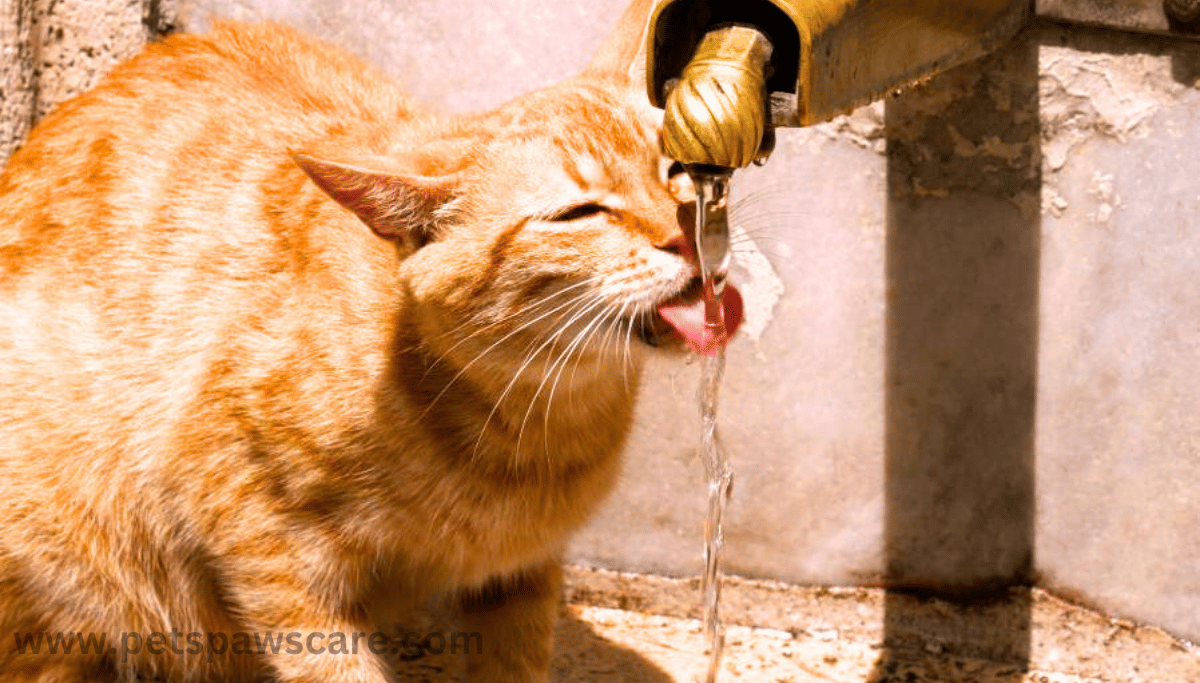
(515, 617)
(313, 644)
(330, 654)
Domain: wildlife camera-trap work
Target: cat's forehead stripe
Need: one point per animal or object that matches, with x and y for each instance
(589, 173)
(572, 170)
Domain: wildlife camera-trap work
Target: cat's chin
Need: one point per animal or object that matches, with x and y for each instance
(678, 324)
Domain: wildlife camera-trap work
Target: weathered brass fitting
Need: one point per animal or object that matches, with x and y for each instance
(826, 56)
(717, 113)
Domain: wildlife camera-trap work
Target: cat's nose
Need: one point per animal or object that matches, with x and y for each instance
(680, 244)
(685, 216)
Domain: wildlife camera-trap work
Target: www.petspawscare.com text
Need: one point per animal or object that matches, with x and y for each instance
(210, 644)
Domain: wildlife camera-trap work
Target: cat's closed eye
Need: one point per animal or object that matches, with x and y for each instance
(576, 212)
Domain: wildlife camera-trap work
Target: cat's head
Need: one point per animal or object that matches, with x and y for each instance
(552, 226)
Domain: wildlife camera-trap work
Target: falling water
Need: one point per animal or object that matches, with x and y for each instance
(720, 483)
(712, 251)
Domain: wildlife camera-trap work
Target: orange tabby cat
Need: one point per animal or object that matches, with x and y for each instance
(227, 406)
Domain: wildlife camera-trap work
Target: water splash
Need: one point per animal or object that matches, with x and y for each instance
(712, 251)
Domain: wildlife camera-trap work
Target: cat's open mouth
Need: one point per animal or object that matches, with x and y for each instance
(682, 318)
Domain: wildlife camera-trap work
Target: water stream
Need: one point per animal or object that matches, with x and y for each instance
(712, 251)
(720, 484)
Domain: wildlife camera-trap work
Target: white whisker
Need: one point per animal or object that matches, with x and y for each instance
(587, 306)
(546, 375)
(629, 366)
(506, 318)
(576, 346)
(578, 297)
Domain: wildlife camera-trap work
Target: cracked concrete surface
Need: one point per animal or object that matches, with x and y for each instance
(644, 629)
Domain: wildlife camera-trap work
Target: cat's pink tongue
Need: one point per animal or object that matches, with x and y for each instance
(689, 321)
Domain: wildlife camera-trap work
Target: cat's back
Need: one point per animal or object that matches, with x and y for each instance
(148, 225)
(255, 79)
(193, 119)
(181, 159)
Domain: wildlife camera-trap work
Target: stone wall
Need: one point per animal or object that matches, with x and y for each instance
(51, 50)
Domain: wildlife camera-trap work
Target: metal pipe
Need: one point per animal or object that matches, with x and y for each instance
(814, 59)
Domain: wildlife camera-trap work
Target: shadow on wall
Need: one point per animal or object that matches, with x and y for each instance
(964, 178)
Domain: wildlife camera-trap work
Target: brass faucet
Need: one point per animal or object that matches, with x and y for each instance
(717, 112)
(728, 71)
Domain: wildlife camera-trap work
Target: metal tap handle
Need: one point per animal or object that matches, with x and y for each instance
(717, 114)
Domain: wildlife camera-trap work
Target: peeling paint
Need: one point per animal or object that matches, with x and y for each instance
(1053, 202)
(1109, 96)
(1102, 190)
(760, 285)
(864, 127)
(1090, 96)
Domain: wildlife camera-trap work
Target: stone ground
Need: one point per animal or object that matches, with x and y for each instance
(621, 628)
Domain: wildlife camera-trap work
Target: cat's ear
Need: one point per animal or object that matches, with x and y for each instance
(623, 53)
(396, 207)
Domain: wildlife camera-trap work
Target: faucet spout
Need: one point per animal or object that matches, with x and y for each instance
(716, 113)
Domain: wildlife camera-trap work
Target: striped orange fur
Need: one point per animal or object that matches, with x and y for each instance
(282, 351)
